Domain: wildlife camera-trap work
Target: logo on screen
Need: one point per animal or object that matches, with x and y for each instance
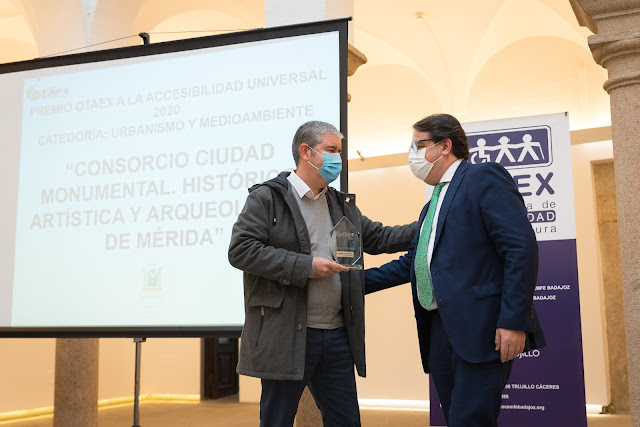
(512, 148)
(34, 93)
(151, 277)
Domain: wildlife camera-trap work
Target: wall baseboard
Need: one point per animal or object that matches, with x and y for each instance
(104, 404)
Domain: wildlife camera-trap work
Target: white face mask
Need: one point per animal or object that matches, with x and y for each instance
(418, 163)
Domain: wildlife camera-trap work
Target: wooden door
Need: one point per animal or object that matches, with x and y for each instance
(220, 360)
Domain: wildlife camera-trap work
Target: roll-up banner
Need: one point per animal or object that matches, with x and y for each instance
(546, 386)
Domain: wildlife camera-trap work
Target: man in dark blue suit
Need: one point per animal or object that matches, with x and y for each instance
(472, 266)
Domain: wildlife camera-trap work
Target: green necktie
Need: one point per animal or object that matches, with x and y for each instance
(423, 275)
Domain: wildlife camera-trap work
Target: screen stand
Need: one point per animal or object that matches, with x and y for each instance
(136, 391)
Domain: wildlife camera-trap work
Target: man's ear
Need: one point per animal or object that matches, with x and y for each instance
(304, 151)
(448, 146)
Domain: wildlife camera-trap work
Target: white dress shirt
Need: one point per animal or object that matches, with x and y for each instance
(302, 188)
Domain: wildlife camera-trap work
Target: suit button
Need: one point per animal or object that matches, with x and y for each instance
(299, 328)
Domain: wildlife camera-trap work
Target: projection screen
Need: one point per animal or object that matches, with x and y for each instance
(122, 173)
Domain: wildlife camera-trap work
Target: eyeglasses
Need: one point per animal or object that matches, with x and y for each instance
(414, 144)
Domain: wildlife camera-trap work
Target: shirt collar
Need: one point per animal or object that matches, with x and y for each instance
(301, 187)
(447, 176)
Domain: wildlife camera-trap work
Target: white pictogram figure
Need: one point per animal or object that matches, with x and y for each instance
(528, 148)
(479, 152)
(504, 150)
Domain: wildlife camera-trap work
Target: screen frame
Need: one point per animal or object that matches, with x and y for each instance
(262, 34)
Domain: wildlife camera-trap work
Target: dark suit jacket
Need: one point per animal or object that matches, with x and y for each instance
(484, 265)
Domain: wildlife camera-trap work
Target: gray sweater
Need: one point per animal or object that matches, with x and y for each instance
(324, 304)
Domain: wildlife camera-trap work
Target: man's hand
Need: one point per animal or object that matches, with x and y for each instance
(510, 343)
(325, 267)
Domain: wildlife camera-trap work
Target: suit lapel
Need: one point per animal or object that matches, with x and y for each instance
(448, 197)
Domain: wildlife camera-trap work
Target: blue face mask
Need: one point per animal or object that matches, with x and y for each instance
(331, 166)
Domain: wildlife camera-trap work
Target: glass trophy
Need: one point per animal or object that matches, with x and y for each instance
(345, 245)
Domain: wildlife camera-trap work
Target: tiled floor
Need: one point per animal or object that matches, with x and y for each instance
(228, 412)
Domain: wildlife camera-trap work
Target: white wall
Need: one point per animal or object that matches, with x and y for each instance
(394, 370)
(26, 373)
(589, 270)
(168, 366)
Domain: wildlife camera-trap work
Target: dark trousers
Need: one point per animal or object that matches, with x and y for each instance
(470, 393)
(328, 373)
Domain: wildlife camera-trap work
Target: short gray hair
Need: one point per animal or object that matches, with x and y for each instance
(310, 133)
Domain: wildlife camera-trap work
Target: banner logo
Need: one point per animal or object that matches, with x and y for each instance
(512, 148)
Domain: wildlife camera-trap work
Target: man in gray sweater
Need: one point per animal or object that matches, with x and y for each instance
(304, 314)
